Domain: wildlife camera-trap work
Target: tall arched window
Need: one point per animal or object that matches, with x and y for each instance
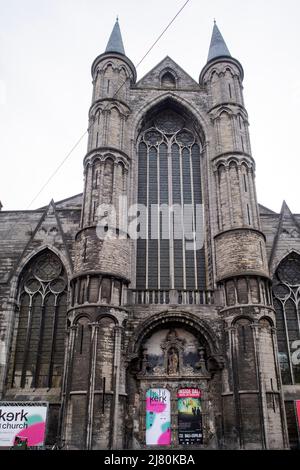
(38, 351)
(286, 294)
(169, 175)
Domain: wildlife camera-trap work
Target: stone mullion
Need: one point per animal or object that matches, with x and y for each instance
(54, 329)
(40, 345)
(66, 414)
(279, 387)
(182, 219)
(116, 376)
(87, 289)
(220, 218)
(194, 217)
(114, 191)
(89, 183)
(122, 132)
(217, 133)
(235, 380)
(27, 343)
(229, 194)
(101, 169)
(240, 177)
(260, 385)
(222, 87)
(100, 88)
(288, 343)
(171, 216)
(91, 132)
(251, 199)
(158, 217)
(147, 223)
(91, 389)
(99, 289)
(106, 114)
(235, 132)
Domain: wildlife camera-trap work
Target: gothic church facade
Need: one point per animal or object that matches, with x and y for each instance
(97, 324)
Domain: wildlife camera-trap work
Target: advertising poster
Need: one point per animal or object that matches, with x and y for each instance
(298, 412)
(23, 420)
(158, 417)
(189, 416)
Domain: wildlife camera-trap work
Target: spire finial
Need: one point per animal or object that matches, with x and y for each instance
(115, 43)
(215, 21)
(217, 46)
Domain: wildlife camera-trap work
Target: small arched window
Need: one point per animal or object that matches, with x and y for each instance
(168, 80)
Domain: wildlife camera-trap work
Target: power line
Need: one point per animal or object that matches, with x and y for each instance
(167, 27)
(58, 168)
(83, 135)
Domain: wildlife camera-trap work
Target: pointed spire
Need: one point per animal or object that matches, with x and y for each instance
(115, 43)
(217, 46)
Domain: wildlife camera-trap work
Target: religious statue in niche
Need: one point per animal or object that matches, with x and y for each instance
(173, 361)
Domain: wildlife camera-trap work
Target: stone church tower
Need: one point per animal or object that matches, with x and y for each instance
(143, 326)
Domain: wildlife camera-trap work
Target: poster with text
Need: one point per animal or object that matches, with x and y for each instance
(158, 417)
(23, 420)
(189, 416)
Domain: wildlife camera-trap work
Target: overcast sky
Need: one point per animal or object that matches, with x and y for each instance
(46, 51)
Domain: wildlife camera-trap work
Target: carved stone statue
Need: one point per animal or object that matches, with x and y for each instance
(173, 361)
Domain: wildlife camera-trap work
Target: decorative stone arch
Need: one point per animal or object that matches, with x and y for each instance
(246, 164)
(124, 69)
(171, 100)
(105, 65)
(219, 164)
(224, 110)
(27, 259)
(236, 320)
(227, 68)
(172, 77)
(268, 319)
(101, 316)
(163, 319)
(233, 161)
(168, 70)
(79, 317)
(283, 257)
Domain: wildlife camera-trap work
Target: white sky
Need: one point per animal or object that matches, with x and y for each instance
(46, 51)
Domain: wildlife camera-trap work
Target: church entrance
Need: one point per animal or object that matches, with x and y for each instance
(176, 388)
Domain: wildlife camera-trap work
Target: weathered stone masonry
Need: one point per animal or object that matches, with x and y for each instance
(88, 323)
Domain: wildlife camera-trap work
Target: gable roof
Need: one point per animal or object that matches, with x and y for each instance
(152, 78)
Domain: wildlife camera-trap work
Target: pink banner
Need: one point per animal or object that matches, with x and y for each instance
(298, 412)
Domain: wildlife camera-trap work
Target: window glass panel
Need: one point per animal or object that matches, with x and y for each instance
(169, 174)
(286, 294)
(38, 355)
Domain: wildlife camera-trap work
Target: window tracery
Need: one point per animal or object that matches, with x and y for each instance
(37, 361)
(286, 295)
(169, 174)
